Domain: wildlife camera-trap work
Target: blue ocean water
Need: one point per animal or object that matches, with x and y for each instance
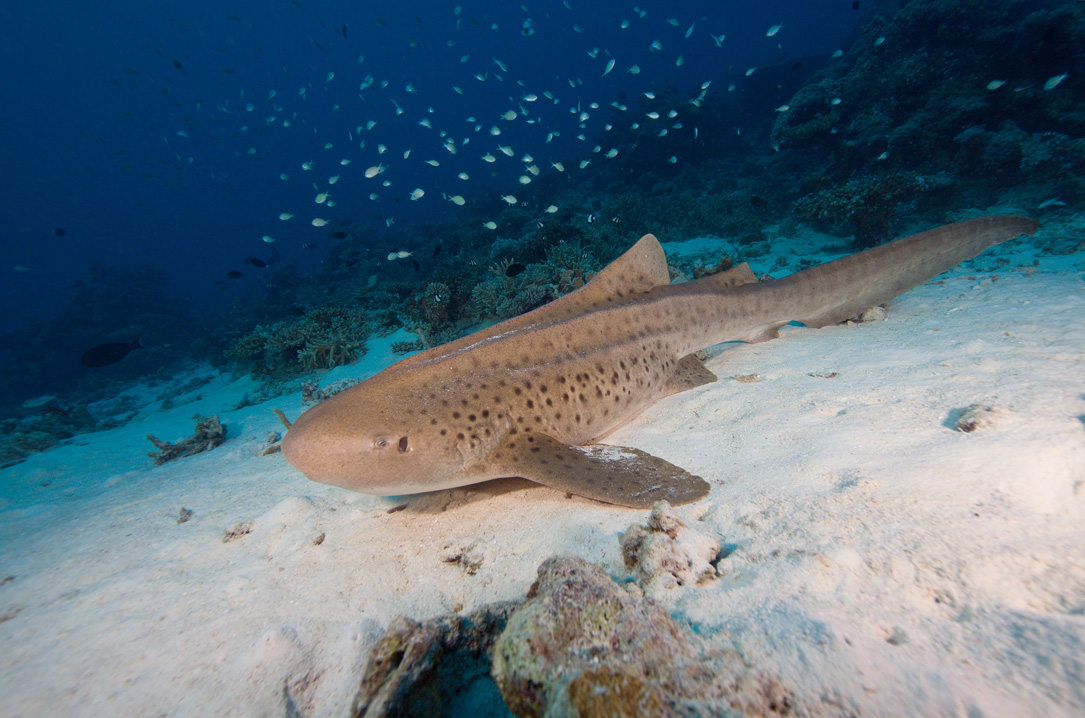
(150, 149)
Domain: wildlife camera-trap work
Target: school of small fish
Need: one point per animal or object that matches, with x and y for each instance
(552, 119)
(534, 117)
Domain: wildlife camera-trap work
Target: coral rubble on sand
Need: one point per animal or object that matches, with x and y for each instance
(209, 434)
(579, 644)
(665, 554)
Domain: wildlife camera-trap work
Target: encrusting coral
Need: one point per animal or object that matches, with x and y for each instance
(581, 645)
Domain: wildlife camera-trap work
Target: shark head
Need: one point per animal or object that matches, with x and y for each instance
(369, 440)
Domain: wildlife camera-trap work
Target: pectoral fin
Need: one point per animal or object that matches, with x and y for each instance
(688, 374)
(612, 474)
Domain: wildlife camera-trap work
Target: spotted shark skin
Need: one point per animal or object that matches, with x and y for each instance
(532, 396)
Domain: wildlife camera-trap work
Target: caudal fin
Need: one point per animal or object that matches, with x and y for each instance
(842, 289)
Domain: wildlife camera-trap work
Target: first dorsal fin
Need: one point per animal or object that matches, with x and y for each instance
(642, 267)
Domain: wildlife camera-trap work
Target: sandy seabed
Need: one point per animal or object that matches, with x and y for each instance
(881, 562)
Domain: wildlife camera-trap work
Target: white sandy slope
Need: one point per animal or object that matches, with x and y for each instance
(881, 562)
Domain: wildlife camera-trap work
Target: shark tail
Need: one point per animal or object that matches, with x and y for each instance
(844, 288)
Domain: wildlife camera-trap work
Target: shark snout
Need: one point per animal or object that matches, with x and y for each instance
(298, 450)
(311, 447)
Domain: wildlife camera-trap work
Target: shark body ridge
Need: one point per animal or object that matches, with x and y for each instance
(531, 396)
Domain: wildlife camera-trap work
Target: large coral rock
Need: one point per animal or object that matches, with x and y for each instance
(581, 645)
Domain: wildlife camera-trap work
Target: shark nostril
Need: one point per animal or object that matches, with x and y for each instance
(403, 443)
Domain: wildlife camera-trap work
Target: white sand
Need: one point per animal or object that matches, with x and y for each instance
(883, 563)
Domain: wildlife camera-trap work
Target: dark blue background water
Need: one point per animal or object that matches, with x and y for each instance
(94, 104)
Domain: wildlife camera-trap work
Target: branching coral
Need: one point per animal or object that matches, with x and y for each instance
(567, 267)
(504, 297)
(327, 337)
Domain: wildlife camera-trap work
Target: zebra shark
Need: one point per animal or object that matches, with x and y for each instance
(532, 396)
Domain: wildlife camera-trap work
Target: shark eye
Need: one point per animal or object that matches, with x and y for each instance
(380, 443)
(403, 443)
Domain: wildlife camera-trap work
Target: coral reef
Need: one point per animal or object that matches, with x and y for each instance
(312, 393)
(17, 446)
(407, 347)
(209, 434)
(907, 96)
(1052, 153)
(109, 304)
(717, 209)
(581, 645)
(932, 107)
(567, 267)
(429, 317)
(436, 668)
(177, 390)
